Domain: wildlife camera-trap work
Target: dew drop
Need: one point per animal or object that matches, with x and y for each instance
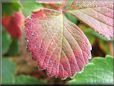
(27, 40)
(32, 34)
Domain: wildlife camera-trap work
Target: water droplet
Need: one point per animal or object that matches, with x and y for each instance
(27, 40)
(32, 34)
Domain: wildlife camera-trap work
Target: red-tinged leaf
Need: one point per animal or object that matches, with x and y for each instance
(58, 45)
(13, 23)
(97, 14)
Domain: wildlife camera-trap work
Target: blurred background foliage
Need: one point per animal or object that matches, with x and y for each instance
(17, 64)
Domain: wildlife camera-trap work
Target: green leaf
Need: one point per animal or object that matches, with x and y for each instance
(24, 79)
(8, 71)
(6, 41)
(14, 48)
(10, 7)
(71, 18)
(98, 71)
(8, 75)
(29, 6)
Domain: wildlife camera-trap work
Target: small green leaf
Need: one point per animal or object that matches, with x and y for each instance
(6, 41)
(8, 71)
(98, 71)
(14, 48)
(24, 79)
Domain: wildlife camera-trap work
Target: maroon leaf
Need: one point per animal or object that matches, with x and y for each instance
(13, 23)
(97, 14)
(58, 46)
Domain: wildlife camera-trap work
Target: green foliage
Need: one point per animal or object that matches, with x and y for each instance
(10, 7)
(6, 41)
(9, 77)
(14, 48)
(28, 7)
(71, 18)
(90, 36)
(24, 79)
(8, 71)
(98, 71)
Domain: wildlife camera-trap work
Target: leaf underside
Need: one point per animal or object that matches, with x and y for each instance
(97, 14)
(57, 45)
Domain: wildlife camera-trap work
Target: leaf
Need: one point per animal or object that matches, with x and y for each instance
(56, 44)
(6, 41)
(8, 71)
(14, 48)
(13, 23)
(88, 32)
(96, 14)
(98, 71)
(28, 8)
(71, 18)
(10, 7)
(8, 75)
(24, 79)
